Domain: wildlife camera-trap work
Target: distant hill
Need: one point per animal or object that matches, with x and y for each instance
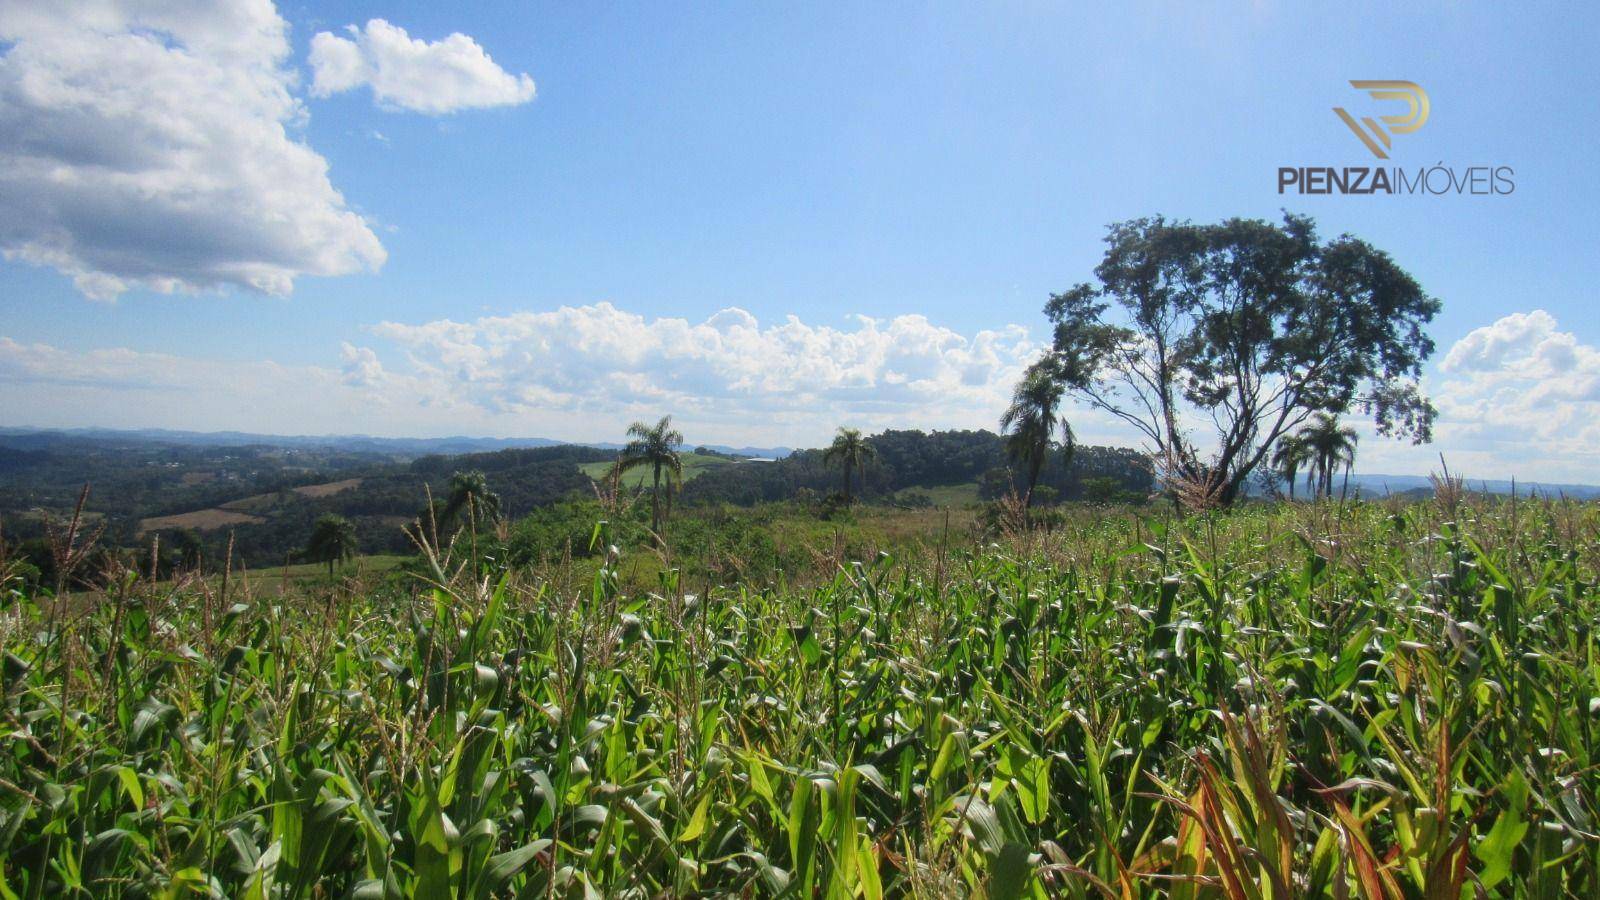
(925, 465)
(266, 491)
(1379, 485)
(45, 438)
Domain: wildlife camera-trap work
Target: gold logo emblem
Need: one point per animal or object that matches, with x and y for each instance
(1371, 133)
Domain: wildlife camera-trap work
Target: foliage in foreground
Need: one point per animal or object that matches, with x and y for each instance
(1368, 702)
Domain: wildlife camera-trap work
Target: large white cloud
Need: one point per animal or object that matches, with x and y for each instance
(429, 77)
(579, 373)
(48, 386)
(1524, 344)
(729, 372)
(1518, 397)
(147, 143)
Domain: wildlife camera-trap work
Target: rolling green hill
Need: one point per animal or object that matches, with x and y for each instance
(694, 465)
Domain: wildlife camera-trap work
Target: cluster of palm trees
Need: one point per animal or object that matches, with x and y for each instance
(1321, 448)
(655, 447)
(1030, 424)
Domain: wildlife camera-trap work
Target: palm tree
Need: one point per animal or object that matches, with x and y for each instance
(333, 539)
(470, 500)
(1031, 419)
(1330, 445)
(655, 446)
(851, 451)
(1292, 455)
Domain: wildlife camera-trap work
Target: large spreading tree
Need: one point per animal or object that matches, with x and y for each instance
(1216, 341)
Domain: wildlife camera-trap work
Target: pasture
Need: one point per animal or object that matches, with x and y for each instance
(694, 464)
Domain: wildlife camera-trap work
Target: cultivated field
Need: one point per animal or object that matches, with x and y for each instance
(1319, 701)
(240, 512)
(257, 502)
(693, 465)
(199, 520)
(328, 489)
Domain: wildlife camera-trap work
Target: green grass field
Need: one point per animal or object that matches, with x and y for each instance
(693, 465)
(273, 579)
(361, 565)
(943, 495)
(1365, 701)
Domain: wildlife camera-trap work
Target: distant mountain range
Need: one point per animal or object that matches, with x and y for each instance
(1382, 485)
(42, 438)
(1369, 485)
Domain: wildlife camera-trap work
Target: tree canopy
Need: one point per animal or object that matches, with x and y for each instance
(1243, 329)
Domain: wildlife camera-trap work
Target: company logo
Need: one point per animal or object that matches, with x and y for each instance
(1377, 135)
(1371, 133)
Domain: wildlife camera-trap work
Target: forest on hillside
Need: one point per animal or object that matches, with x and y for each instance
(271, 497)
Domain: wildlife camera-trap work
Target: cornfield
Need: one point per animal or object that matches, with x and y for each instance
(1363, 700)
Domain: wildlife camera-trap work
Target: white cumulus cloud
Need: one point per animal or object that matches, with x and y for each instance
(48, 386)
(152, 144)
(1520, 397)
(577, 373)
(729, 372)
(406, 73)
(361, 367)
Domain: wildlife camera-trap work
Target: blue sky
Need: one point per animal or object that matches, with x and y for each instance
(939, 170)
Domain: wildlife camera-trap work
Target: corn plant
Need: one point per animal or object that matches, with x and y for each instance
(1358, 700)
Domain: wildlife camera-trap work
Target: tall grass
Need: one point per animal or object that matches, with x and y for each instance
(1363, 701)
